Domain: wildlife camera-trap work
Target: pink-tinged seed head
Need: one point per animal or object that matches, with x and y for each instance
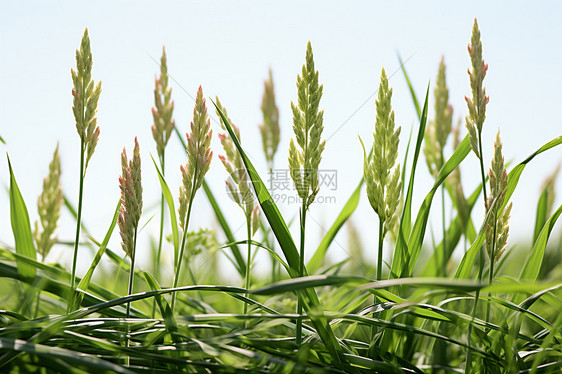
(221, 137)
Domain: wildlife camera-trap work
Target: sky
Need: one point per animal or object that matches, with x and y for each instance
(227, 48)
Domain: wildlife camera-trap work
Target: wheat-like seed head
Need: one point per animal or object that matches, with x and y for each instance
(199, 155)
(495, 245)
(383, 188)
(438, 130)
(131, 199)
(163, 108)
(48, 207)
(270, 127)
(476, 104)
(86, 98)
(308, 127)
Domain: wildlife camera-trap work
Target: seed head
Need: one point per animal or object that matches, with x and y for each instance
(85, 98)
(383, 188)
(199, 155)
(476, 104)
(48, 206)
(163, 108)
(270, 127)
(438, 130)
(308, 127)
(131, 199)
(497, 228)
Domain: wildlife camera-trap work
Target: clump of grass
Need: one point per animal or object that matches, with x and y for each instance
(303, 162)
(420, 319)
(85, 102)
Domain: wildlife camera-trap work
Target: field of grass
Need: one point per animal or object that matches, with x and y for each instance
(496, 310)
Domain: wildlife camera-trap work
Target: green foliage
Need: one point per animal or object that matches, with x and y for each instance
(349, 322)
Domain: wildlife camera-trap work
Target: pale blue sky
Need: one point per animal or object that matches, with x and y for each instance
(227, 47)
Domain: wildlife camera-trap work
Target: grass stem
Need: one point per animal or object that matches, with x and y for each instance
(182, 247)
(249, 258)
(78, 222)
(301, 270)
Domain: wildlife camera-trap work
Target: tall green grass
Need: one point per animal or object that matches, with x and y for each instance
(424, 312)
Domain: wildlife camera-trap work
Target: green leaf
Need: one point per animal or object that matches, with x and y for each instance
(465, 267)
(2, 140)
(285, 240)
(316, 260)
(165, 310)
(540, 218)
(240, 263)
(21, 227)
(400, 259)
(411, 88)
(170, 202)
(533, 264)
(515, 174)
(416, 238)
(93, 363)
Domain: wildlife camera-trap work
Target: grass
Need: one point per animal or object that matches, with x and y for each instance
(424, 312)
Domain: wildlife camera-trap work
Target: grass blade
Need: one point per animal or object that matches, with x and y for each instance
(401, 251)
(91, 362)
(540, 218)
(170, 202)
(316, 260)
(411, 88)
(418, 232)
(240, 263)
(515, 174)
(21, 227)
(533, 264)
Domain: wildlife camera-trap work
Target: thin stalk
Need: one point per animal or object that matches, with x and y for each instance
(473, 315)
(491, 271)
(78, 220)
(130, 290)
(182, 248)
(480, 270)
(379, 269)
(157, 266)
(274, 264)
(444, 224)
(301, 270)
(247, 281)
(161, 234)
